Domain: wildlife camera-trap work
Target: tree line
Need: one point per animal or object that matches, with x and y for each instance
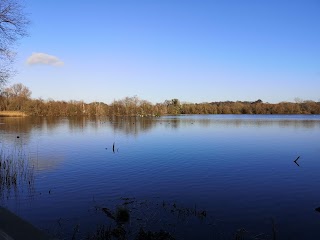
(18, 98)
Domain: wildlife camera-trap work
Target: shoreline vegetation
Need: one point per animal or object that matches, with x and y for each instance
(12, 114)
(16, 101)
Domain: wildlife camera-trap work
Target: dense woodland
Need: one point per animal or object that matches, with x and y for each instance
(18, 98)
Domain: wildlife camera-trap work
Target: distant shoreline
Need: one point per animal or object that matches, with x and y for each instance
(22, 114)
(21, 104)
(12, 114)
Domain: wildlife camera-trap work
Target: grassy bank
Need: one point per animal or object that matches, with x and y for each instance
(12, 114)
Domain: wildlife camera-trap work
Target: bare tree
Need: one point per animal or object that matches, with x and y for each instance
(18, 90)
(15, 97)
(13, 25)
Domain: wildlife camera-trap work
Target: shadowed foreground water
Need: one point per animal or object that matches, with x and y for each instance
(237, 169)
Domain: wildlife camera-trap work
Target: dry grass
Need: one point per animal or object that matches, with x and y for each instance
(12, 114)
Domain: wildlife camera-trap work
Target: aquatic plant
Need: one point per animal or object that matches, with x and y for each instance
(15, 171)
(148, 235)
(152, 220)
(120, 233)
(122, 215)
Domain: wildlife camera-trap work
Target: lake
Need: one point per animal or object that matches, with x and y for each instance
(196, 176)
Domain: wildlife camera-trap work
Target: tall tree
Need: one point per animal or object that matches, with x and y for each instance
(13, 25)
(18, 90)
(16, 96)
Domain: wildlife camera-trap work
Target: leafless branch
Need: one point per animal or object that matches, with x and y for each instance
(13, 26)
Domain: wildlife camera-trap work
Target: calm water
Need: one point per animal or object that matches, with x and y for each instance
(239, 169)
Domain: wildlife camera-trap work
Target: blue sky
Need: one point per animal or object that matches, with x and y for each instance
(196, 51)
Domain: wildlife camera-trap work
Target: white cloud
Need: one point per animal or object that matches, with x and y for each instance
(43, 58)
